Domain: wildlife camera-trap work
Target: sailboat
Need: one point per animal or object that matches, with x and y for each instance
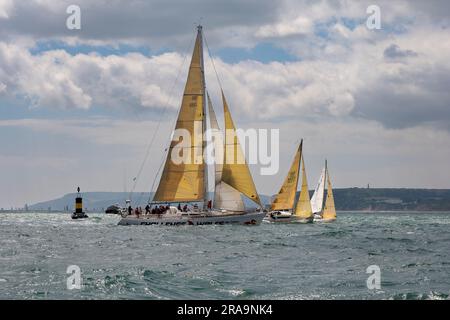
(323, 212)
(283, 207)
(187, 183)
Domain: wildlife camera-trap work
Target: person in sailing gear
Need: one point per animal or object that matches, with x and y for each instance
(147, 209)
(136, 212)
(209, 204)
(185, 208)
(130, 210)
(179, 207)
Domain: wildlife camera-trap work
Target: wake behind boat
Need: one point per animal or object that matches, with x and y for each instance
(186, 182)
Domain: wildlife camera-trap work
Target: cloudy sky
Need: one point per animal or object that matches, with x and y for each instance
(79, 107)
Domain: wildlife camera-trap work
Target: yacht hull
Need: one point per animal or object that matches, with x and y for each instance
(323, 220)
(318, 218)
(253, 218)
(287, 219)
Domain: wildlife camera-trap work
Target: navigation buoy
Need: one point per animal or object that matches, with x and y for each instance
(79, 214)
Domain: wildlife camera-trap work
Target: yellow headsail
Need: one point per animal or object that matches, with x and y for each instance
(285, 198)
(303, 209)
(329, 212)
(225, 196)
(186, 181)
(235, 171)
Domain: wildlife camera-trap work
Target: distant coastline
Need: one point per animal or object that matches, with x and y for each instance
(347, 199)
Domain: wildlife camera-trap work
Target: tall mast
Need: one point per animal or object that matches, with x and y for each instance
(202, 64)
(325, 181)
(299, 168)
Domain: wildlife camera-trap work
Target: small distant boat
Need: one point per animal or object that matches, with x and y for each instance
(183, 183)
(114, 209)
(283, 207)
(327, 212)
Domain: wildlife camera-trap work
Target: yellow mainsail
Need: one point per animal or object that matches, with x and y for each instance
(329, 212)
(235, 171)
(303, 208)
(285, 198)
(186, 181)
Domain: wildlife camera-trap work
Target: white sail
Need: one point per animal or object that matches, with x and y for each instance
(218, 143)
(317, 198)
(228, 198)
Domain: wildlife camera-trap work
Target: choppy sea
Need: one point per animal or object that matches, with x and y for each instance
(270, 261)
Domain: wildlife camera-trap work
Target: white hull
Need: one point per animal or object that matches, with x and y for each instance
(252, 218)
(318, 218)
(285, 217)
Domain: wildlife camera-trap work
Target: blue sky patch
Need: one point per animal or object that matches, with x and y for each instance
(264, 52)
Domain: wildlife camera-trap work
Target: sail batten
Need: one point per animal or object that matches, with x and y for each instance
(186, 181)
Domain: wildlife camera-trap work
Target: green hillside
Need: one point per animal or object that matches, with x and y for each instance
(361, 199)
(392, 199)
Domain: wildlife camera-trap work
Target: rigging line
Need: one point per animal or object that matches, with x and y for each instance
(159, 121)
(212, 62)
(154, 180)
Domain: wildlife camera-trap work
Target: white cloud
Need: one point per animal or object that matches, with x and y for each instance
(355, 78)
(40, 80)
(55, 79)
(298, 26)
(5, 8)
